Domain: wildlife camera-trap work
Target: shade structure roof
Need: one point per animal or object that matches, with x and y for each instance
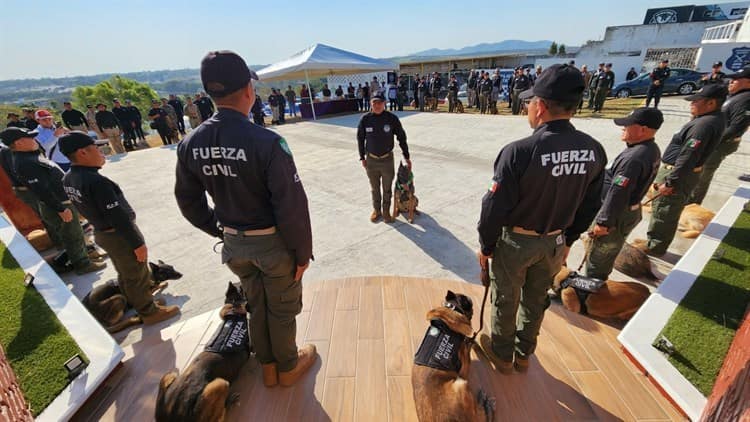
(322, 60)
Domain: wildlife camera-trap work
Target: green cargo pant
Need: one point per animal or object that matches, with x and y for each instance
(523, 268)
(266, 269)
(601, 95)
(604, 249)
(29, 198)
(713, 162)
(666, 210)
(70, 234)
(380, 171)
(133, 277)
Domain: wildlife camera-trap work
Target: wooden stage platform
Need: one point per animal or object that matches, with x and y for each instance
(366, 331)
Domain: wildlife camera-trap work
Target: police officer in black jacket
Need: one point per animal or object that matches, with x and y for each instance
(136, 118)
(260, 210)
(716, 76)
(658, 77)
(521, 83)
(102, 202)
(179, 109)
(604, 83)
(124, 116)
(375, 134)
(736, 110)
(545, 192)
(44, 179)
(74, 119)
(625, 184)
(683, 161)
(205, 106)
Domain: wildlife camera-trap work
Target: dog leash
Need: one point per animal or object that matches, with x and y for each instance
(484, 277)
(650, 200)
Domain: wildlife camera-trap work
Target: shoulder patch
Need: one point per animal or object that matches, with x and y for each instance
(284, 146)
(494, 186)
(621, 181)
(693, 143)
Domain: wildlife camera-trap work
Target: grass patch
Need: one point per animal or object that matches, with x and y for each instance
(705, 322)
(36, 343)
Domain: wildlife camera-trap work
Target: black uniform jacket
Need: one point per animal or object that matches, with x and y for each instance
(41, 176)
(134, 114)
(106, 119)
(550, 181)
(628, 180)
(659, 74)
(102, 202)
(251, 177)
(691, 146)
(122, 114)
(375, 134)
(521, 82)
(6, 162)
(73, 117)
(736, 110)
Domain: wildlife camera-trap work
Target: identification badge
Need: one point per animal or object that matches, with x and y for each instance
(387, 128)
(368, 129)
(559, 240)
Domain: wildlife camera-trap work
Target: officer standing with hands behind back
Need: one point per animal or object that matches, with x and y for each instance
(625, 184)
(261, 213)
(375, 134)
(545, 192)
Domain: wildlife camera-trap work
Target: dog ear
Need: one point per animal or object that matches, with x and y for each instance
(450, 296)
(230, 288)
(160, 261)
(466, 302)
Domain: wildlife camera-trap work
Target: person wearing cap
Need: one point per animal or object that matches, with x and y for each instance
(136, 121)
(545, 192)
(74, 119)
(452, 93)
(47, 135)
(682, 164)
(124, 116)
(521, 83)
(471, 85)
(658, 77)
(484, 87)
(111, 127)
(273, 103)
(735, 110)
(179, 110)
(436, 84)
(291, 99)
(402, 88)
(14, 121)
(205, 105)
(592, 85)
(632, 74)
(160, 122)
(44, 179)
(626, 182)
(102, 202)
(261, 212)
(604, 83)
(716, 76)
(375, 133)
(29, 119)
(586, 82)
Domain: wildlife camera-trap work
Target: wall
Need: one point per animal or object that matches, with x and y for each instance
(710, 53)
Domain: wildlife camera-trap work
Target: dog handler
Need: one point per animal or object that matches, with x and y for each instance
(682, 164)
(625, 184)
(375, 134)
(261, 212)
(545, 192)
(102, 202)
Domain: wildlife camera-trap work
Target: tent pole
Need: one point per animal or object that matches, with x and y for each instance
(309, 92)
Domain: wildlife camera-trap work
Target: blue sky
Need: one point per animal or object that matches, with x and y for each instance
(66, 38)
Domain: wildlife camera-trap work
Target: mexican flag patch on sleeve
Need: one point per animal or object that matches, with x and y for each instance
(621, 181)
(693, 143)
(493, 186)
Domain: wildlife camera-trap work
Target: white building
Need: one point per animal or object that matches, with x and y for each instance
(728, 43)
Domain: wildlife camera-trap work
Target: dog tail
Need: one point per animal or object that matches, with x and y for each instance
(487, 404)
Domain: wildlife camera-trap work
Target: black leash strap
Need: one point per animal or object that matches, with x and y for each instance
(484, 276)
(650, 200)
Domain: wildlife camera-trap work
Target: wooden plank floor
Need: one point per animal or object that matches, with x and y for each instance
(366, 331)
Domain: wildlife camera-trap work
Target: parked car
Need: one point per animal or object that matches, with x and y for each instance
(680, 81)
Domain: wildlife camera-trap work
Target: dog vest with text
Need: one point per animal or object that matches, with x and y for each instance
(439, 348)
(232, 336)
(583, 287)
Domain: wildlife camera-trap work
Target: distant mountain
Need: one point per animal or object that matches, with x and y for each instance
(507, 45)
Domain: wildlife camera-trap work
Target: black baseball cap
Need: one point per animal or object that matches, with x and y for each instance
(377, 97)
(715, 91)
(718, 63)
(75, 140)
(665, 60)
(741, 74)
(644, 116)
(224, 72)
(12, 134)
(559, 82)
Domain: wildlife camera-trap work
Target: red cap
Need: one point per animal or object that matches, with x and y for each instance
(41, 114)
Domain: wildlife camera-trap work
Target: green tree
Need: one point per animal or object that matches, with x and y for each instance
(118, 87)
(561, 50)
(553, 49)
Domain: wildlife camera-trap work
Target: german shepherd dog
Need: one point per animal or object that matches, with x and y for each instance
(458, 106)
(201, 391)
(108, 305)
(405, 202)
(440, 375)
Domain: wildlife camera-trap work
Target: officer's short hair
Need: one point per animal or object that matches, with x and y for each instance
(557, 108)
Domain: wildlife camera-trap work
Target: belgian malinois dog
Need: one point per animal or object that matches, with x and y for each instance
(405, 202)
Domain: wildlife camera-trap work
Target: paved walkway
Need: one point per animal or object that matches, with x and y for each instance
(452, 156)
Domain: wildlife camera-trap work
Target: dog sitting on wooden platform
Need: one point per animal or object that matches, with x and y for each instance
(440, 375)
(613, 299)
(405, 201)
(201, 391)
(108, 305)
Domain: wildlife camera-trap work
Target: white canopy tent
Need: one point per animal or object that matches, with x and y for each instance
(319, 61)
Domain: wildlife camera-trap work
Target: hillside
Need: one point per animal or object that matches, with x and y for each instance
(507, 45)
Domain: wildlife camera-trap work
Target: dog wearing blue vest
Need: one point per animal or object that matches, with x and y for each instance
(201, 391)
(440, 375)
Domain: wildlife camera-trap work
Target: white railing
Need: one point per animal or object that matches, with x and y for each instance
(721, 33)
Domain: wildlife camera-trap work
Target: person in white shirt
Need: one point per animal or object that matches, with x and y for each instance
(47, 138)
